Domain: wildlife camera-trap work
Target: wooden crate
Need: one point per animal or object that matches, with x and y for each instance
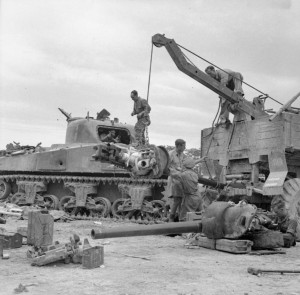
(93, 257)
(204, 242)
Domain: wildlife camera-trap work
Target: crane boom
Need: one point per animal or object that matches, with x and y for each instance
(240, 104)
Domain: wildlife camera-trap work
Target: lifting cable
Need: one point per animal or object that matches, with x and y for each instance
(149, 79)
(227, 73)
(150, 72)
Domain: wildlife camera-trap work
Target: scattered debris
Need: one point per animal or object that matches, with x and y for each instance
(267, 252)
(59, 215)
(133, 256)
(11, 240)
(259, 271)
(9, 209)
(5, 254)
(74, 251)
(21, 288)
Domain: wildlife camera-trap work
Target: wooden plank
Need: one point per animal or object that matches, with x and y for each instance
(234, 246)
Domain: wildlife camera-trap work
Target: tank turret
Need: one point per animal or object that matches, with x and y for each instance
(219, 220)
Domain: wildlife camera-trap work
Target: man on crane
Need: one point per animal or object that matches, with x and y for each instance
(233, 81)
(142, 109)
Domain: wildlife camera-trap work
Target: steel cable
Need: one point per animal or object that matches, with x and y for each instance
(228, 73)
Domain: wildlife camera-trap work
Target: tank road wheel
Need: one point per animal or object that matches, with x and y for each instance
(117, 208)
(51, 202)
(104, 206)
(17, 198)
(67, 204)
(5, 189)
(291, 199)
(159, 209)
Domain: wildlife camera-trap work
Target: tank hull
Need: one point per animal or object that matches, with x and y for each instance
(66, 176)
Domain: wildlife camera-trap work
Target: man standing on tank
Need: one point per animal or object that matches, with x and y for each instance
(142, 109)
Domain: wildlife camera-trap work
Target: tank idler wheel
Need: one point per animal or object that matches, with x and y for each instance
(67, 204)
(159, 209)
(105, 207)
(17, 198)
(5, 189)
(51, 202)
(117, 208)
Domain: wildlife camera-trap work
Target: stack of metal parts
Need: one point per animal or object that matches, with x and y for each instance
(74, 251)
(44, 251)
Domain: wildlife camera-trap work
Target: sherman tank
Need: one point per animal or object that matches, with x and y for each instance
(66, 176)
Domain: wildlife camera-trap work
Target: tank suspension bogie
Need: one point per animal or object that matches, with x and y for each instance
(138, 203)
(33, 193)
(85, 200)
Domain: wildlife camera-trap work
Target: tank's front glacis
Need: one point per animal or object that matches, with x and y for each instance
(151, 161)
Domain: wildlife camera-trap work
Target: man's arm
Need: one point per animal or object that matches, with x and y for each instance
(146, 108)
(224, 78)
(200, 160)
(175, 173)
(133, 112)
(292, 226)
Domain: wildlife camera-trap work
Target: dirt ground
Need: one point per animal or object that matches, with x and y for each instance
(171, 268)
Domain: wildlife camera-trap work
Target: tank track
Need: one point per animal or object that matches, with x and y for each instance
(93, 180)
(83, 179)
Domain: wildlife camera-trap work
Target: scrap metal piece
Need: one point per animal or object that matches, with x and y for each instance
(259, 271)
(5, 255)
(11, 240)
(73, 251)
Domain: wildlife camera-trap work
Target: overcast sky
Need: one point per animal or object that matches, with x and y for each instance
(84, 55)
